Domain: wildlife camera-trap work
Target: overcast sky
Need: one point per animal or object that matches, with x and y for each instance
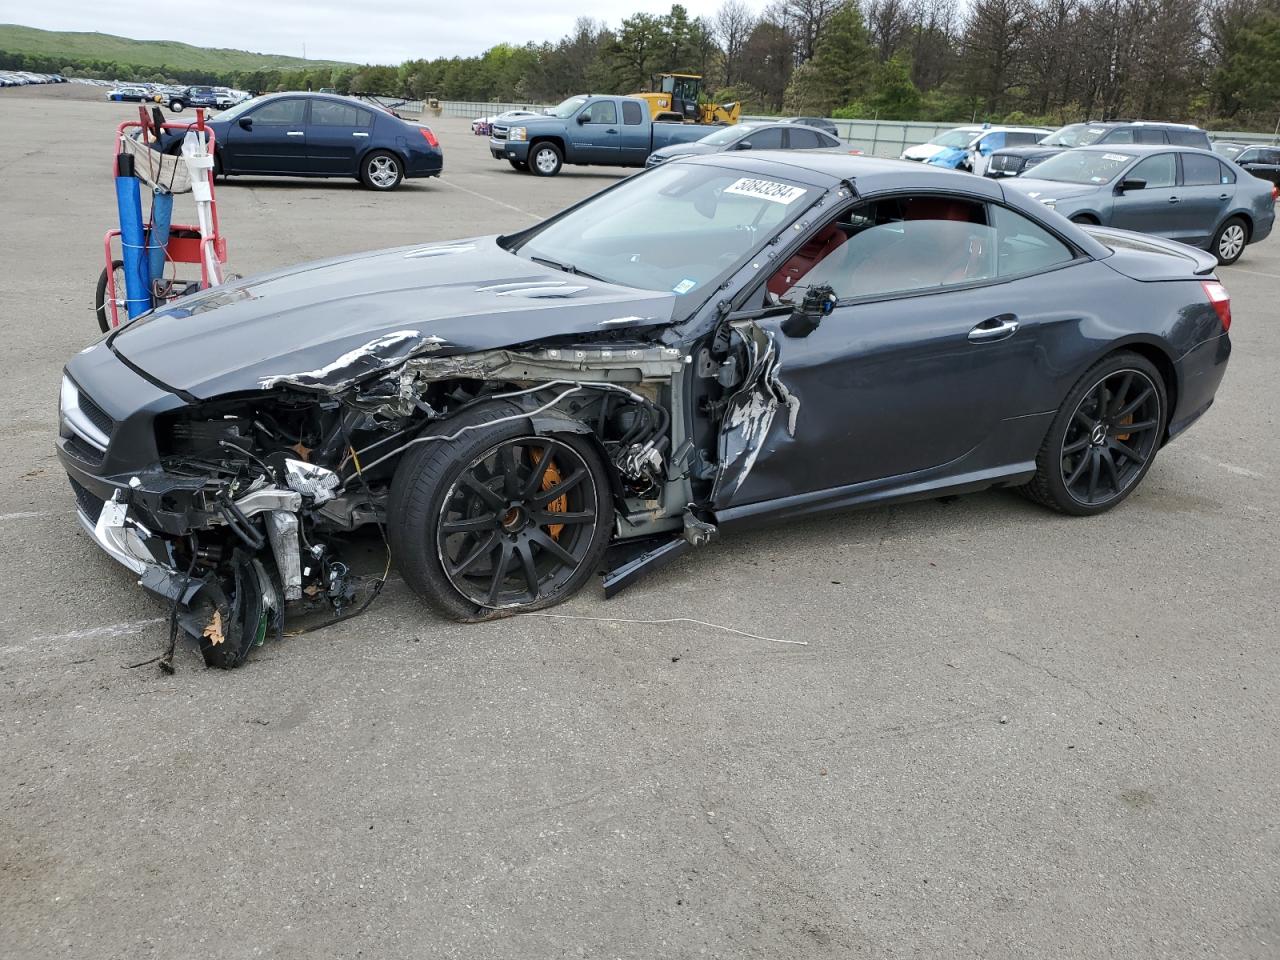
(388, 32)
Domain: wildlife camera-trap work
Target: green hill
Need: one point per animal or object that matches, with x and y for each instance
(153, 54)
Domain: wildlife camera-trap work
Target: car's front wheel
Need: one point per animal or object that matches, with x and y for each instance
(1229, 242)
(381, 170)
(1104, 438)
(545, 159)
(499, 519)
(176, 106)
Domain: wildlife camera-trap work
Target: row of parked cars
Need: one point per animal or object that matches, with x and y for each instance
(24, 78)
(177, 98)
(1166, 179)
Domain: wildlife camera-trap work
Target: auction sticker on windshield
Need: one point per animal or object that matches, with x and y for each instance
(1116, 157)
(769, 190)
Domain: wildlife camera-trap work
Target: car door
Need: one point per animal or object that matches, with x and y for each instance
(269, 139)
(770, 138)
(1203, 197)
(337, 134)
(1152, 209)
(926, 366)
(635, 140)
(595, 136)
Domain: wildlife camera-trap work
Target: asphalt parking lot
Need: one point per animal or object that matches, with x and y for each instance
(998, 733)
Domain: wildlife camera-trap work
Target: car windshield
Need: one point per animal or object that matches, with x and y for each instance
(726, 135)
(677, 228)
(1074, 135)
(954, 138)
(1083, 166)
(567, 108)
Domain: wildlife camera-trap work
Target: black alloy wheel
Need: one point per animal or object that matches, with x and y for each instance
(1104, 438)
(518, 523)
(1113, 433)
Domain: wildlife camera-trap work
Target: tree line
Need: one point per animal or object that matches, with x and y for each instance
(1216, 62)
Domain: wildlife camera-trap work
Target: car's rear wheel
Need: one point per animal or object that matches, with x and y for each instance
(381, 170)
(545, 159)
(521, 165)
(176, 106)
(102, 294)
(1229, 242)
(1104, 438)
(499, 520)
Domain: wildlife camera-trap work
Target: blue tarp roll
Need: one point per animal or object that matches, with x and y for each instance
(137, 276)
(158, 236)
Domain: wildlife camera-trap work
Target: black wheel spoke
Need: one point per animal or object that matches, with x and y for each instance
(1078, 472)
(548, 544)
(526, 564)
(1122, 448)
(484, 493)
(486, 521)
(1094, 471)
(482, 549)
(539, 473)
(1134, 404)
(1076, 446)
(1117, 397)
(510, 471)
(1120, 429)
(1083, 419)
(566, 484)
(499, 573)
(1109, 466)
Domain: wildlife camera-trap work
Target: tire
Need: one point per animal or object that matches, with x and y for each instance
(100, 296)
(1230, 240)
(520, 165)
(176, 106)
(545, 159)
(381, 170)
(503, 554)
(1087, 451)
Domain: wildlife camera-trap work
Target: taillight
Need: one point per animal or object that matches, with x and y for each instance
(1275, 192)
(429, 136)
(1221, 301)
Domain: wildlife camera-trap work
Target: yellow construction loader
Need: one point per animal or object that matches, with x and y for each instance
(676, 101)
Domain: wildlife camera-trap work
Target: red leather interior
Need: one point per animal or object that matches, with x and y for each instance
(937, 208)
(806, 258)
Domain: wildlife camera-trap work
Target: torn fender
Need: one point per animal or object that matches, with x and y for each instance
(751, 410)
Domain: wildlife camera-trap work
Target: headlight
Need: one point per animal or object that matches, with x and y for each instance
(517, 133)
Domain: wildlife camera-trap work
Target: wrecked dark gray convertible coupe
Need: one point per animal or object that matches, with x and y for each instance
(716, 341)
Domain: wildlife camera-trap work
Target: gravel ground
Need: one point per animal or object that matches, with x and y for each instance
(1006, 733)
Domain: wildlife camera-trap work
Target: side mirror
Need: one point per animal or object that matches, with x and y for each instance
(743, 145)
(582, 117)
(818, 302)
(246, 123)
(1131, 183)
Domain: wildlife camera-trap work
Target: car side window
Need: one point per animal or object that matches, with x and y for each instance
(631, 113)
(331, 113)
(1148, 135)
(899, 245)
(1189, 138)
(770, 139)
(1024, 246)
(1228, 175)
(1200, 170)
(1119, 135)
(292, 112)
(1159, 171)
(1020, 139)
(803, 140)
(1271, 156)
(602, 111)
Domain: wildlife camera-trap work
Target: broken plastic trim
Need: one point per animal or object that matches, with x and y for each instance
(378, 355)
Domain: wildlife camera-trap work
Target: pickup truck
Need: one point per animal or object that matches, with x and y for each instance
(601, 131)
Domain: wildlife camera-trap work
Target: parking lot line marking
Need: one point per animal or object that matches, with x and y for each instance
(23, 515)
(482, 196)
(714, 626)
(1256, 273)
(105, 632)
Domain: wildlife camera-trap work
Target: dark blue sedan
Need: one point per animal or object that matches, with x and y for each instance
(321, 135)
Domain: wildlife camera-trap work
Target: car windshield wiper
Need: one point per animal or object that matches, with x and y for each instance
(568, 268)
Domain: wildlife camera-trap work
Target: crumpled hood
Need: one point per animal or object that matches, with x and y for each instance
(443, 299)
(950, 157)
